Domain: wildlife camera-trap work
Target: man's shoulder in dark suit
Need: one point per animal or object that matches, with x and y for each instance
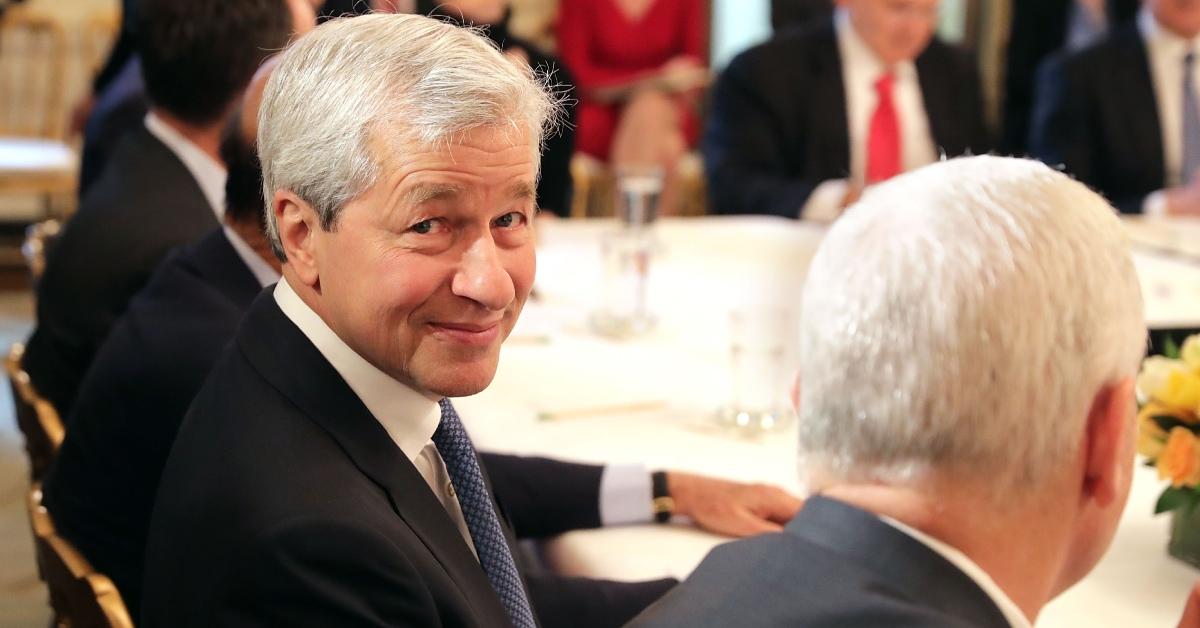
(283, 502)
(833, 565)
(101, 487)
(146, 203)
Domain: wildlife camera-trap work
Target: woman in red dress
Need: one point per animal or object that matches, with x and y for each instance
(639, 66)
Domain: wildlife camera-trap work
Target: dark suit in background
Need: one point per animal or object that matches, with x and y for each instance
(778, 125)
(120, 109)
(1039, 28)
(825, 569)
(1096, 114)
(146, 203)
(338, 476)
(101, 487)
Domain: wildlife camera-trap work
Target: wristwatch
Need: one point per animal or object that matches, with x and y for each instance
(662, 504)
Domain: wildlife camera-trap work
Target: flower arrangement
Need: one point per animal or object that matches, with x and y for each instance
(1168, 422)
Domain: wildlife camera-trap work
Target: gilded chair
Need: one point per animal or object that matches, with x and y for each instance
(37, 418)
(79, 596)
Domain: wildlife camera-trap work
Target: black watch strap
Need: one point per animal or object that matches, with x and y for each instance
(661, 502)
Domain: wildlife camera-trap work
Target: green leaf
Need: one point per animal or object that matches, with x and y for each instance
(1170, 348)
(1173, 498)
(1168, 422)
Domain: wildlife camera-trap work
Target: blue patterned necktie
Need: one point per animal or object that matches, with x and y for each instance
(1191, 121)
(459, 455)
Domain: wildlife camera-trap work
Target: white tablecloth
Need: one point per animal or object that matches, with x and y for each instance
(679, 374)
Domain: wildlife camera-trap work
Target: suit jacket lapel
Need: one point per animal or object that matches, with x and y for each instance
(937, 100)
(286, 358)
(902, 562)
(831, 121)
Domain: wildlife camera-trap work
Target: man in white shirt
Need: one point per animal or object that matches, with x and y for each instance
(1123, 115)
(163, 185)
(969, 336)
(802, 123)
(322, 475)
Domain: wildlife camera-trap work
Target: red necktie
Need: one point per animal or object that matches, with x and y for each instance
(883, 141)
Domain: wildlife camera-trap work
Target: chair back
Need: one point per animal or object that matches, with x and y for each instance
(80, 597)
(37, 418)
(39, 239)
(33, 60)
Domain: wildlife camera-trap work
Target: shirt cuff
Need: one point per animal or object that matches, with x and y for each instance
(825, 202)
(1155, 205)
(625, 495)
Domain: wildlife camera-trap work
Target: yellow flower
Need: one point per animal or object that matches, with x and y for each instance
(1181, 392)
(1180, 459)
(1154, 374)
(1151, 438)
(1190, 352)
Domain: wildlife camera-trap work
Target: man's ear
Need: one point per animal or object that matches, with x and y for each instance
(1108, 455)
(298, 226)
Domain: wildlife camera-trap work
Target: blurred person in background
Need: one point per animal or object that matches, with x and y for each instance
(1123, 115)
(1039, 29)
(799, 125)
(554, 189)
(164, 184)
(640, 66)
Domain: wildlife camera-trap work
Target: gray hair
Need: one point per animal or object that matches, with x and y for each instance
(960, 319)
(418, 78)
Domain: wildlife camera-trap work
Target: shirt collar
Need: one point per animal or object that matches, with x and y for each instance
(409, 417)
(857, 53)
(208, 172)
(262, 271)
(1007, 607)
(1158, 37)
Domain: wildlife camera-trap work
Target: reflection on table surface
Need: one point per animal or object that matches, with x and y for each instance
(563, 391)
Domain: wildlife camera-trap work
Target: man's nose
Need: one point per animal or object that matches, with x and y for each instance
(482, 277)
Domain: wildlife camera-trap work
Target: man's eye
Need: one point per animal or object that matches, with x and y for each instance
(510, 219)
(425, 226)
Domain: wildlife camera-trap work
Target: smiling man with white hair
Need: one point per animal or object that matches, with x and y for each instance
(322, 476)
(970, 333)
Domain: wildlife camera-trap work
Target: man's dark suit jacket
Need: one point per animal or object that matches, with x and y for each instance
(1039, 29)
(145, 204)
(1096, 113)
(101, 486)
(833, 566)
(284, 502)
(778, 127)
(120, 108)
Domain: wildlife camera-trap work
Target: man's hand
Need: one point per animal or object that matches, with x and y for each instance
(731, 508)
(1191, 610)
(1184, 200)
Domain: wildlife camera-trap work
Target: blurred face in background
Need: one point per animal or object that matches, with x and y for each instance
(476, 11)
(1181, 17)
(304, 14)
(896, 30)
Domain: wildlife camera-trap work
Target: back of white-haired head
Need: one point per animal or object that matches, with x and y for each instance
(352, 88)
(960, 319)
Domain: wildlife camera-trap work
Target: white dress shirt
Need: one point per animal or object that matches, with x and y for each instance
(1008, 608)
(262, 271)
(860, 69)
(1165, 52)
(208, 172)
(408, 417)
